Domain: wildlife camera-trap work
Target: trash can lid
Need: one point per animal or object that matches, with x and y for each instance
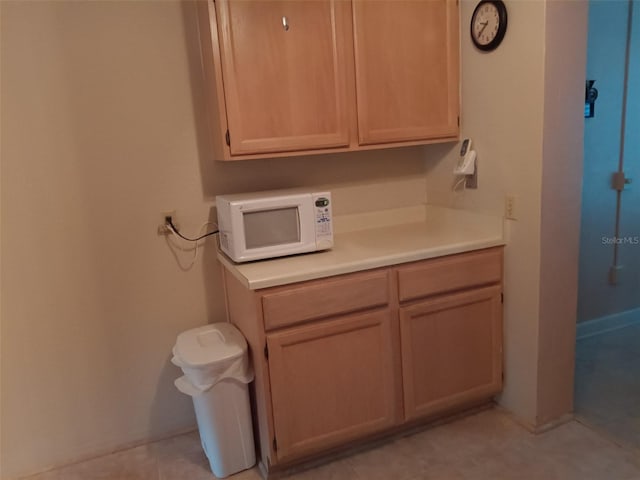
(214, 343)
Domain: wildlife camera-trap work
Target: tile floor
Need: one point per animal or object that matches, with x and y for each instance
(607, 387)
(487, 445)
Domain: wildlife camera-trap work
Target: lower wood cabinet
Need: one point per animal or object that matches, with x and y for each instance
(451, 351)
(360, 354)
(332, 381)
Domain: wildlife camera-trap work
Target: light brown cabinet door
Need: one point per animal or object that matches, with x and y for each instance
(285, 74)
(332, 382)
(451, 351)
(406, 58)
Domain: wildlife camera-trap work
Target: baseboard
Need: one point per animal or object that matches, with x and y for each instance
(102, 452)
(533, 428)
(610, 323)
(545, 427)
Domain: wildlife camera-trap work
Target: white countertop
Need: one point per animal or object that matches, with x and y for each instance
(378, 239)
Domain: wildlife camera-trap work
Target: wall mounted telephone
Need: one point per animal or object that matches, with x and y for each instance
(466, 164)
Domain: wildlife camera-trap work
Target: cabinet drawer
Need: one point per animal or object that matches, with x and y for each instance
(322, 298)
(450, 273)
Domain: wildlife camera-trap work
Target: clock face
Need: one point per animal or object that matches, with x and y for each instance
(485, 24)
(488, 24)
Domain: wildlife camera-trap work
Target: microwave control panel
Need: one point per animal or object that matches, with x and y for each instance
(324, 228)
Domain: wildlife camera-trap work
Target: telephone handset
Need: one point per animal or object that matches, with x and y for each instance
(467, 162)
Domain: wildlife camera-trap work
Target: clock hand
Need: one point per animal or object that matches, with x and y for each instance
(484, 25)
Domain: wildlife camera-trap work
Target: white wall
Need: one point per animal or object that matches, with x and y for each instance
(504, 96)
(103, 128)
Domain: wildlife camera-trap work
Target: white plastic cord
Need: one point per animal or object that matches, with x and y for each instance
(463, 181)
(175, 234)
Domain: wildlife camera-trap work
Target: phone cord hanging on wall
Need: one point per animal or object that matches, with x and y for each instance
(466, 166)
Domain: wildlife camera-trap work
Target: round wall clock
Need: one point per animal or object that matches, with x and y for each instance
(488, 24)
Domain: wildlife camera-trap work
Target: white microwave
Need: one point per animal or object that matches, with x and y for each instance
(271, 224)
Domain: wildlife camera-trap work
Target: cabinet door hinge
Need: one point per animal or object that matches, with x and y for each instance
(458, 120)
(502, 298)
(266, 351)
(275, 444)
(227, 137)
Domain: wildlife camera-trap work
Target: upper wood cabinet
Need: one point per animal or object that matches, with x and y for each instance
(284, 69)
(406, 58)
(285, 77)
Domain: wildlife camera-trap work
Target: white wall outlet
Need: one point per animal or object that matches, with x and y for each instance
(162, 225)
(510, 207)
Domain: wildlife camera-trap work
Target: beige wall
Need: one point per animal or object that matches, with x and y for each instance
(1, 275)
(502, 95)
(565, 66)
(521, 107)
(103, 128)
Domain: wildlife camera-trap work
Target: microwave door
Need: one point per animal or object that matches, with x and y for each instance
(277, 231)
(269, 228)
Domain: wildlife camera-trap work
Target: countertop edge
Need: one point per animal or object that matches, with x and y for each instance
(231, 267)
(358, 266)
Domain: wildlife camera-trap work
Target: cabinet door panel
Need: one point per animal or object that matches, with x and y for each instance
(285, 87)
(332, 382)
(451, 351)
(406, 54)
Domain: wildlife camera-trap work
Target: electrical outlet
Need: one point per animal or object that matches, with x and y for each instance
(510, 207)
(162, 223)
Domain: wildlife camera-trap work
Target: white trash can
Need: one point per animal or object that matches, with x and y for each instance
(217, 372)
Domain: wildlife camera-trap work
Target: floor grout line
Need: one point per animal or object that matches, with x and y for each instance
(606, 435)
(607, 392)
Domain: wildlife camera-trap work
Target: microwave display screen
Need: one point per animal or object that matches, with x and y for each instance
(271, 227)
